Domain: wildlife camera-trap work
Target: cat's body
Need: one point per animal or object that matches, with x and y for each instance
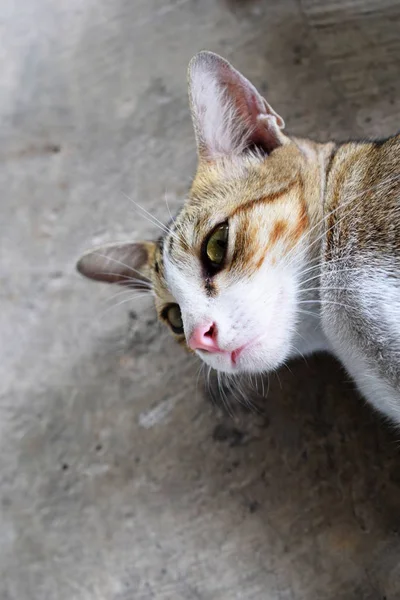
(361, 268)
(284, 246)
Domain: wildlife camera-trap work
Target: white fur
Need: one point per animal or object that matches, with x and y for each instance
(218, 126)
(266, 307)
(263, 308)
(221, 131)
(379, 301)
(375, 389)
(260, 310)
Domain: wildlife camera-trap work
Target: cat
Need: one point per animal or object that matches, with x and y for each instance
(284, 246)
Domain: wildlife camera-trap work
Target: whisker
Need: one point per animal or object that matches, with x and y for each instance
(262, 386)
(124, 293)
(208, 383)
(252, 405)
(119, 263)
(177, 225)
(320, 261)
(250, 382)
(229, 386)
(279, 379)
(341, 206)
(245, 401)
(323, 289)
(308, 312)
(224, 397)
(327, 263)
(253, 379)
(346, 270)
(169, 211)
(151, 218)
(325, 231)
(287, 367)
(127, 280)
(199, 373)
(137, 297)
(322, 302)
(299, 353)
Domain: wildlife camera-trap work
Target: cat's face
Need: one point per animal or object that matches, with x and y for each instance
(226, 276)
(228, 262)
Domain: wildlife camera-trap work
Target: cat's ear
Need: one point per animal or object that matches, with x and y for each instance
(125, 263)
(229, 115)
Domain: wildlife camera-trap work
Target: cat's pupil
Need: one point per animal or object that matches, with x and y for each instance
(217, 245)
(216, 250)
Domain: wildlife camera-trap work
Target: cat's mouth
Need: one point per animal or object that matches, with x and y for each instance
(232, 356)
(236, 353)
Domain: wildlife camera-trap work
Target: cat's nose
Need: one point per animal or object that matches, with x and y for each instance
(204, 337)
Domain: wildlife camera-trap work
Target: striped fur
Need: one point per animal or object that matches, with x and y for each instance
(313, 257)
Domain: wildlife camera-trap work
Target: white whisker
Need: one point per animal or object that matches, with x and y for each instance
(224, 397)
(118, 262)
(133, 294)
(136, 297)
(322, 302)
(341, 206)
(151, 218)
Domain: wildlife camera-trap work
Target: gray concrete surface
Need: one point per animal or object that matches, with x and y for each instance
(119, 477)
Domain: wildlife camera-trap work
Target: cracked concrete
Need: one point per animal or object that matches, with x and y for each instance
(120, 479)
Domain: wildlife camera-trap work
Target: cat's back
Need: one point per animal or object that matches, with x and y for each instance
(360, 276)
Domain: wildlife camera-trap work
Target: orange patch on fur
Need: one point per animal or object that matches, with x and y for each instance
(260, 262)
(301, 224)
(246, 247)
(278, 232)
(265, 199)
(303, 220)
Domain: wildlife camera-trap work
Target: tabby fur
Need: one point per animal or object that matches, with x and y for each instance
(313, 257)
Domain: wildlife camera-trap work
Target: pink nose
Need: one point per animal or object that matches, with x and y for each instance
(204, 337)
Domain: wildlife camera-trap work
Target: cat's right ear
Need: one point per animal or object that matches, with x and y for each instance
(229, 115)
(124, 263)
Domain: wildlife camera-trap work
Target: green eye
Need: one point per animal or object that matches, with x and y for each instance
(217, 245)
(174, 317)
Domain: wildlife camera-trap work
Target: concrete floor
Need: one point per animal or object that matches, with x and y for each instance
(119, 477)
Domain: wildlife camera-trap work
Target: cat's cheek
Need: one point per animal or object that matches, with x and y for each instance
(265, 355)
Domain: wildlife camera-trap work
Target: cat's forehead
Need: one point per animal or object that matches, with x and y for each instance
(226, 191)
(222, 187)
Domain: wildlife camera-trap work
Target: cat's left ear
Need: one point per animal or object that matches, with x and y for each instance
(229, 115)
(124, 263)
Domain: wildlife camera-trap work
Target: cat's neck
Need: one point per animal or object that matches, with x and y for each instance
(309, 335)
(318, 161)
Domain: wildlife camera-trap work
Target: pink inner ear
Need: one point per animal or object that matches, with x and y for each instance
(229, 115)
(261, 120)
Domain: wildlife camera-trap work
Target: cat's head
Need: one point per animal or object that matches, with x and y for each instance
(225, 277)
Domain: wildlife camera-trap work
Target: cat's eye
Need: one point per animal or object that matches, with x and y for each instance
(174, 318)
(216, 246)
